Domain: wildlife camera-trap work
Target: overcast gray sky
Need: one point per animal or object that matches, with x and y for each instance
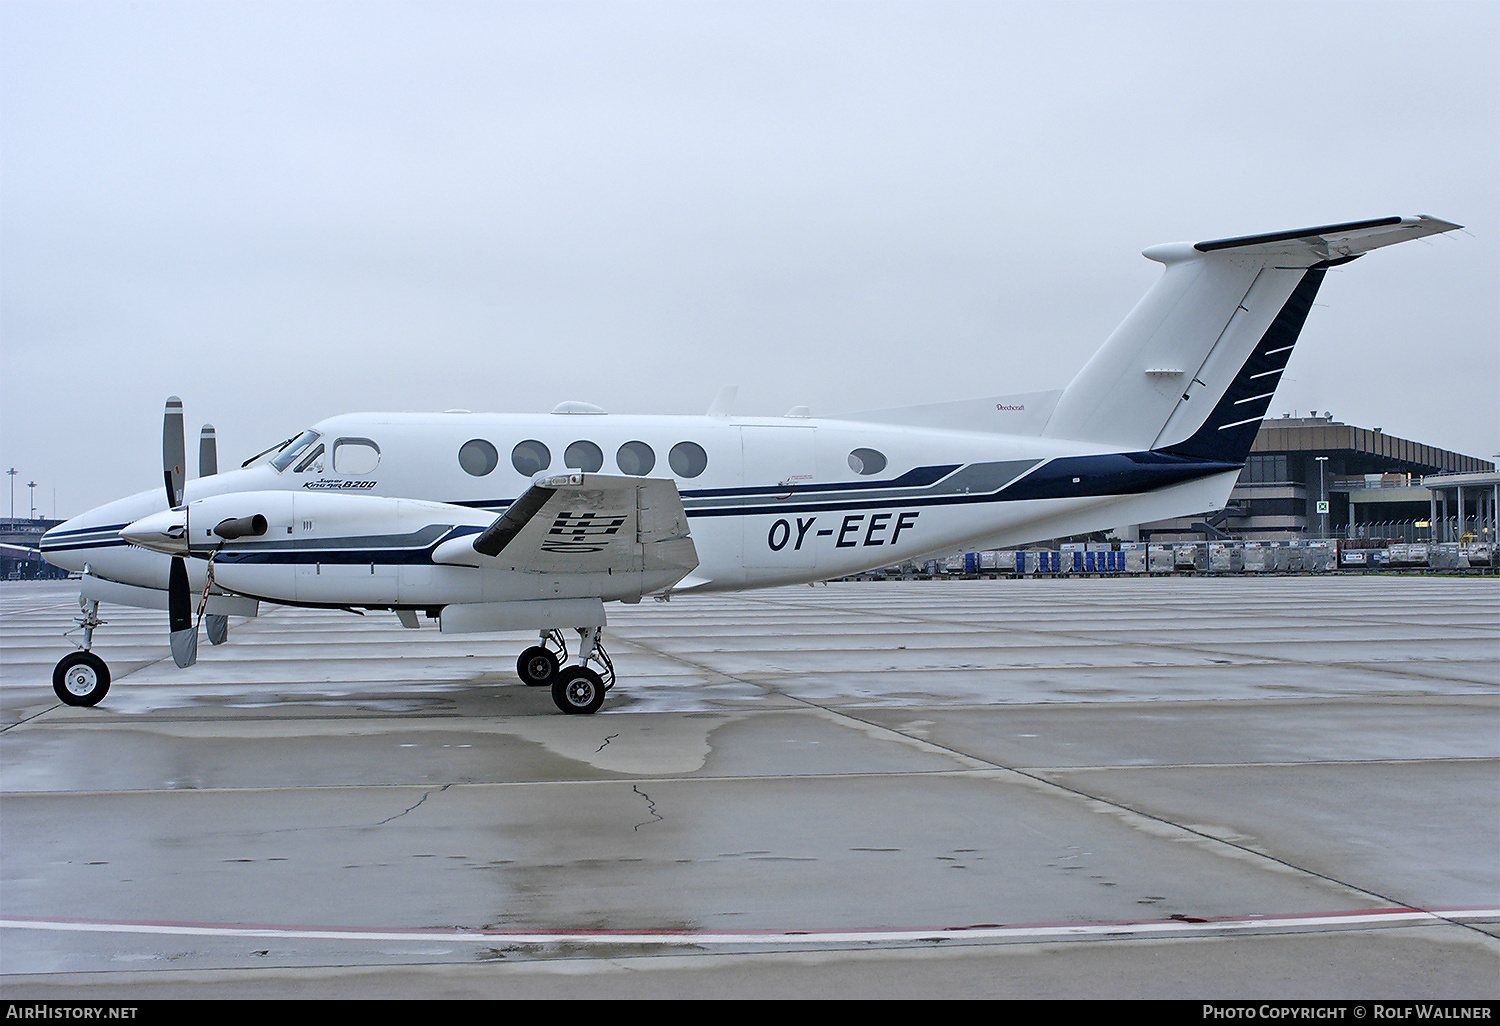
(283, 211)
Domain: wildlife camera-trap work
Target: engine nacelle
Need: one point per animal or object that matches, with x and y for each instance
(311, 547)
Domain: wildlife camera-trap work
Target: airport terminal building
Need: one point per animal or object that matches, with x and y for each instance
(1314, 477)
(20, 550)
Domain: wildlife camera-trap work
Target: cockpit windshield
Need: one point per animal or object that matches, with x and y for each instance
(293, 449)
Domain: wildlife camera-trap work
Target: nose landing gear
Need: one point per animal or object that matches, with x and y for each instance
(82, 678)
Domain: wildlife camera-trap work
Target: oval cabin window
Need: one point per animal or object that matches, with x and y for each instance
(584, 456)
(478, 457)
(530, 457)
(635, 458)
(688, 459)
(866, 461)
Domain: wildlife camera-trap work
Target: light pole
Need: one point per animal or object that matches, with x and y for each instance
(1322, 497)
(32, 486)
(13, 472)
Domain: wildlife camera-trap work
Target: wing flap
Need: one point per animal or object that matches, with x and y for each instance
(585, 523)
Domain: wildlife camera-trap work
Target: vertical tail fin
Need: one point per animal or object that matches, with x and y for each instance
(1229, 430)
(1193, 368)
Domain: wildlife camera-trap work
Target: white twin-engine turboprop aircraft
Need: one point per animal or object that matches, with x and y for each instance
(506, 522)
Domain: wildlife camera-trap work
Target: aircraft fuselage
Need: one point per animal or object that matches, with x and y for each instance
(770, 500)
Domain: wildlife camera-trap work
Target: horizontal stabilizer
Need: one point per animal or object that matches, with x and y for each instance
(1333, 242)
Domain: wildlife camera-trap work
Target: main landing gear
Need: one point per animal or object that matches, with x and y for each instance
(575, 688)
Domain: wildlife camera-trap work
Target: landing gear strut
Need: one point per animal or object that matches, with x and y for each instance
(82, 678)
(576, 688)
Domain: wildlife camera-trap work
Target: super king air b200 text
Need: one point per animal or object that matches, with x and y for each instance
(508, 522)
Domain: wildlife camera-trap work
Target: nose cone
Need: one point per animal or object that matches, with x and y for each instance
(161, 532)
(56, 546)
(74, 543)
(93, 539)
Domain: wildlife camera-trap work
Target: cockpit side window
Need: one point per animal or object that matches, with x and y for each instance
(313, 459)
(355, 456)
(284, 458)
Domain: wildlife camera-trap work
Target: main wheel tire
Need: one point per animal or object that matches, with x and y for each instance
(81, 678)
(578, 689)
(537, 667)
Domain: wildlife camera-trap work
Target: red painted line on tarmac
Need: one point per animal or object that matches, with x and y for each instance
(974, 932)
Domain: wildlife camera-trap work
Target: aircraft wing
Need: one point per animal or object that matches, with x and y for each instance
(585, 523)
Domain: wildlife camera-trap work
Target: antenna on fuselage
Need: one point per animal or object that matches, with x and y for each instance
(723, 403)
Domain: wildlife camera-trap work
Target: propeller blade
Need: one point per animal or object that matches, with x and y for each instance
(208, 452)
(180, 615)
(173, 451)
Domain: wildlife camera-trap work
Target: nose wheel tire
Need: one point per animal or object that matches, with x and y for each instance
(81, 678)
(537, 667)
(578, 689)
